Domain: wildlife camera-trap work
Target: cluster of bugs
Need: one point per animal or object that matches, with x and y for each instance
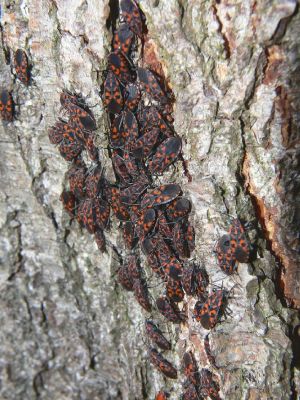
(22, 72)
(89, 195)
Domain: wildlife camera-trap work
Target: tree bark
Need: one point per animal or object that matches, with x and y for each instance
(68, 331)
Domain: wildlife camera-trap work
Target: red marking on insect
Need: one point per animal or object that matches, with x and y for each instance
(119, 64)
(129, 236)
(143, 147)
(132, 96)
(184, 238)
(190, 368)
(100, 240)
(141, 294)
(124, 278)
(178, 208)
(162, 364)
(156, 335)
(112, 95)
(165, 155)
(131, 14)
(119, 209)
(91, 147)
(6, 106)
(238, 242)
(226, 259)
(162, 396)
(94, 182)
(169, 310)
(69, 150)
(208, 313)
(172, 267)
(161, 195)
(190, 393)
(174, 290)
(85, 215)
(130, 126)
(120, 167)
(149, 83)
(209, 386)
(77, 175)
(101, 213)
(149, 118)
(69, 202)
(146, 223)
(123, 39)
(22, 66)
(134, 267)
(55, 133)
(164, 227)
(154, 264)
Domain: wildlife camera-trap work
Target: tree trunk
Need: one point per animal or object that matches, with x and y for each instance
(68, 331)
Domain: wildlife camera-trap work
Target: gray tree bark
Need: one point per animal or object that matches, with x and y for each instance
(68, 331)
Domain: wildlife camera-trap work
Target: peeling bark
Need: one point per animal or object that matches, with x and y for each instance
(67, 329)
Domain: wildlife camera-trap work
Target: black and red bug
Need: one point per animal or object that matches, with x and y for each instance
(118, 134)
(123, 39)
(146, 223)
(85, 215)
(162, 364)
(124, 278)
(69, 202)
(143, 146)
(132, 96)
(209, 312)
(184, 238)
(55, 133)
(172, 267)
(226, 259)
(141, 294)
(209, 387)
(178, 208)
(161, 395)
(156, 335)
(154, 264)
(94, 181)
(238, 242)
(129, 235)
(130, 194)
(6, 106)
(101, 213)
(134, 267)
(120, 167)
(149, 118)
(118, 63)
(132, 16)
(149, 82)
(112, 95)
(207, 349)
(194, 280)
(130, 126)
(165, 155)
(77, 175)
(191, 368)
(100, 240)
(169, 310)
(91, 147)
(67, 99)
(70, 150)
(161, 195)
(120, 210)
(165, 228)
(174, 290)
(22, 66)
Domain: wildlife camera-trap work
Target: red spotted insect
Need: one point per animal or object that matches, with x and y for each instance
(101, 213)
(191, 368)
(120, 210)
(141, 294)
(76, 175)
(22, 66)
(70, 150)
(143, 146)
(69, 202)
(149, 117)
(124, 278)
(190, 393)
(85, 215)
(165, 155)
(172, 267)
(6, 106)
(94, 181)
(129, 235)
(100, 240)
(161, 195)
(209, 312)
(112, 94)
(156, 335)
(119, 64)
(169, 310)
(130, 194)
(123, 39)
(134, 267)
(132, 96)
(149, 82)
(226, 258)
(238, 241)
(184, 238)
(132, 16)
(162, 364)
(178, 208)
(194, 280)
(146, 223)
(174, 290)
(209, 386)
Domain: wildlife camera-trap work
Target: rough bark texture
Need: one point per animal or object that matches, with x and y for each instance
(67, 330)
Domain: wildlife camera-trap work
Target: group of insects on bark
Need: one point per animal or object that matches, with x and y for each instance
(153, 217)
